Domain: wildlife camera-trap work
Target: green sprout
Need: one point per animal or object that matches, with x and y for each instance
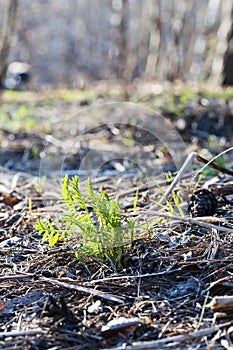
(94, 218)
(171, 205)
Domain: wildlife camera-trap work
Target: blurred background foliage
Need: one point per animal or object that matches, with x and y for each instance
(72, 43)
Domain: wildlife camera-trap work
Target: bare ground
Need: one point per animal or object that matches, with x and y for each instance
(163, 292)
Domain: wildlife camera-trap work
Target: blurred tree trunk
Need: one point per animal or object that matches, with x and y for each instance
(154, 37)
(227, 75)
(8, 10)
(123, 47)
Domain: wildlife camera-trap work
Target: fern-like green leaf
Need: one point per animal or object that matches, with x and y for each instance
(89, 189)
(77, 196)
(98, 225)
(66, 194)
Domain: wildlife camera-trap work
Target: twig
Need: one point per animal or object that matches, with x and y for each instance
(195, 156)
(179, 175)
(214, 166)
(86, 290)
(202, 311)
(152, 186)
(14, 277)
(128, 277)
(175, 339)
(21, 333)
(220, 281)
(191, 157)
(161, 273)
(222, 302)
(177, 178)
(190, 221)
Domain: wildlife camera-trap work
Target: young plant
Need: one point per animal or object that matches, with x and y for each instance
(170, 205)
(94, 217)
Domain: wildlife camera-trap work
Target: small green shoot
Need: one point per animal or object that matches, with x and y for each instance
(29, 204)
(128, 140)
(170, 206)
(135, 200)
(168, 177)
(94, 218)
(177, 201)
(200, 177)
(39, 183)
(147, 227)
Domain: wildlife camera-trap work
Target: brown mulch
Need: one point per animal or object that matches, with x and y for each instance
(161, 293)
(163, 287)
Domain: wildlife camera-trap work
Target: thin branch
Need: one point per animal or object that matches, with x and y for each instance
(21, 333)
(190, 221)
(14, 277)
(128, 277)
(175, 339)
(214, 166)
(161, 273)
(178, 176)
(78, 288)
(152, 186)
(189, 160)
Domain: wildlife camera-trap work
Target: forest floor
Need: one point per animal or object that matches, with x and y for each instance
(172, 287)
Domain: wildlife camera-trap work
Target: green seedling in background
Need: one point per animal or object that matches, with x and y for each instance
(29, 204)
(128, 140)
(212, 172)
(21, 117)
(39, 183)
(136, 199)
(170, 205)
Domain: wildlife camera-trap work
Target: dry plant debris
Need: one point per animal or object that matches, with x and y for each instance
(167, 282)
(174, 286)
